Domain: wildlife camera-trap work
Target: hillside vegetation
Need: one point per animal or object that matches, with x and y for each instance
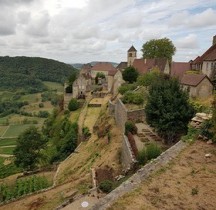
(29, 72)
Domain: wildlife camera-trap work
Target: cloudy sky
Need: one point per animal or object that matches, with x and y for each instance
(88, 30)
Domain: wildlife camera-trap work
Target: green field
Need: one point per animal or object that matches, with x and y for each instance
(2, 130)
(31, 98)
(7, 142)
(54, 86)
(15, 130)
(7, 150)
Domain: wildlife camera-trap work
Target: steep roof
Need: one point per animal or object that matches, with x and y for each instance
(211, 56)
(122, 65)
(145, 65)
(132, 49)
(104, 66)
(179, 68)
(207, 55)
(192, 79)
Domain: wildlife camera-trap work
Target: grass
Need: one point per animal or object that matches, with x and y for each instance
(31, 98)
(4, 120)
(2, 161)
(54, 86)
(7, 142)
(2, 130)
(15, 130)
(75, 115)
(7, 150)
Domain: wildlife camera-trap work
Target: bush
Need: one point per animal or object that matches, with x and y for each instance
(130, 127)
(41, 105)
(126, 87)
(142, 157)
(86, 132)
(43, 114)
(152, 151)
(106, 186)
(73, 104)
(133, 98)
(192, 134)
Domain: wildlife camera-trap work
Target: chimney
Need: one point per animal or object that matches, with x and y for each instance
(214, 40)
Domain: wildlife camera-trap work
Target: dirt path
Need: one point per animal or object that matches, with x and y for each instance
(6, 156)
(82, 117)
(8, 146)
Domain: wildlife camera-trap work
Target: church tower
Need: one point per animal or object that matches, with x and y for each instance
(131, 55)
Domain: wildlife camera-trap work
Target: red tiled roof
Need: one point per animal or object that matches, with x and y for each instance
(105, 66)
(192, 79)
(179, 68)
(211, 56)
(210, 51)
(132, 49)
(145, 65)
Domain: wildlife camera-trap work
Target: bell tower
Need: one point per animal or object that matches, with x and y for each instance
(131, 55)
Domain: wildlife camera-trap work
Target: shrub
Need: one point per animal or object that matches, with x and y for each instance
(152, 151)
(41, 105)
(126, 87)
(73, 104)
(86, 132)
(192, 134)
(142, 157)
(133, 98)
(43, 114)
(205, 129)
(130, 127)
(106, 186)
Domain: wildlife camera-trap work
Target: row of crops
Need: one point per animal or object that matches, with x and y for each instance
(23, 187)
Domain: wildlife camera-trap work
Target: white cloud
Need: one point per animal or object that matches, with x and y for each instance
(85, 30)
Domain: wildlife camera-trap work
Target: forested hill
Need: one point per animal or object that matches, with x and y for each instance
(25, 72)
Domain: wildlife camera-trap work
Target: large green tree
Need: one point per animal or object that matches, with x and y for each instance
(28, 150)
(168, 109)
(158, 48)
(130, 74)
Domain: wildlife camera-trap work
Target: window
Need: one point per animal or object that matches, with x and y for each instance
(130, 54)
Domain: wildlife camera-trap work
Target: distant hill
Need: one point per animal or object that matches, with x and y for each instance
(79, 65)
(29, 72)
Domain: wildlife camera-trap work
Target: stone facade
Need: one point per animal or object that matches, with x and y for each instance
(209, 68)
(79, 87)
(131, 56)
(203, 90)
(118, 81)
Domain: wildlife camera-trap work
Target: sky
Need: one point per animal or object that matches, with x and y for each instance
(81, 31)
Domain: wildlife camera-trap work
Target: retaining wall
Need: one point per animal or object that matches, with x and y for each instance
(120, 114)
(128, 159)
(142, 174)
(111, 108)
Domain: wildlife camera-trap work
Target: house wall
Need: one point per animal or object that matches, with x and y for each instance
(67, 98)
(203, 90)
(110, 83)
(118, 81)
(79, 86)
(167, 68)
(206, 68)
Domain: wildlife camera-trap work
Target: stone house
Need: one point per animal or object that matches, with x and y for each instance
(108, 70)
(206, 63)
(197, 85)
(80, 87)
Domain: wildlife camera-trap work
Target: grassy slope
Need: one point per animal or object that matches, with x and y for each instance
(187, 183)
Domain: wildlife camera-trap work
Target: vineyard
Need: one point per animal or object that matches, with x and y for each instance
(22, 187)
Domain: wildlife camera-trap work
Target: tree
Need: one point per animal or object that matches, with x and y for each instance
(73, 104)
(28, 150)
(130, 74)
(159, 48)
(168, 109)
(148, 78)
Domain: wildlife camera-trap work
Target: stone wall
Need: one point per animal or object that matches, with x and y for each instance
(120, 114)
(111, 108)
(141, 175)
(127, 157)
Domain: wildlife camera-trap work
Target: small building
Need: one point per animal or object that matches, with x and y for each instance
(80, 87)
(197, 85)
